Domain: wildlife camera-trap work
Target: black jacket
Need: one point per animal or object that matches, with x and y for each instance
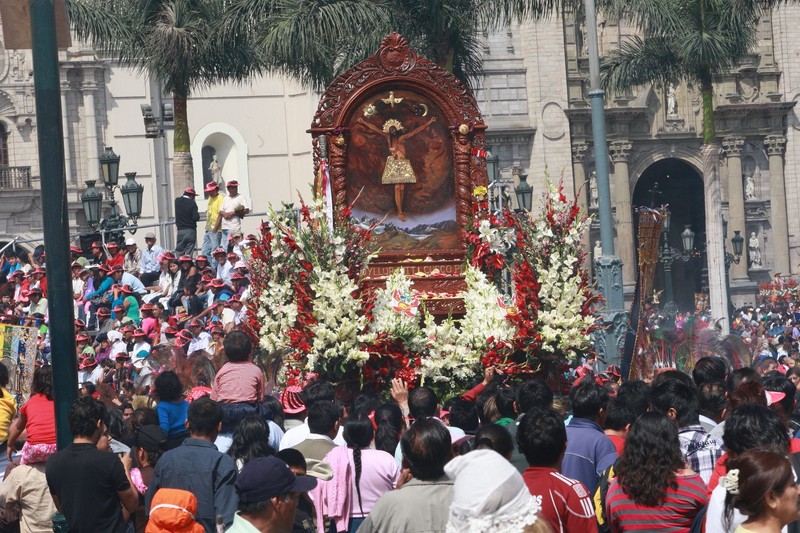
(186, 214)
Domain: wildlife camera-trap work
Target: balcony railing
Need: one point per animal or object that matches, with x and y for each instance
(15, 177)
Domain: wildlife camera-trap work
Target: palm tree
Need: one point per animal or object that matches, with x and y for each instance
(692, 41)
(170, 40)
(315, 40)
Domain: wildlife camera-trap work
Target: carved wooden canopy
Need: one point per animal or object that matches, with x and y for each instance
(399, 105)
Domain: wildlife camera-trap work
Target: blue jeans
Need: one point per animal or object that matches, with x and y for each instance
(211, 241)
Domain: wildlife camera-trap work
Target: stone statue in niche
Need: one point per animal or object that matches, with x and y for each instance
(584, 40)
(598, 250)
(672, 109)
(749, 186)
(754, 250)
(593, 192)
(216, 171)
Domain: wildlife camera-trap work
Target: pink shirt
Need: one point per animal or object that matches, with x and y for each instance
(241, 382)
(379, 474)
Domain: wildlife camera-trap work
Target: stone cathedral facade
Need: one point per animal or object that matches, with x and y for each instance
(533, 97)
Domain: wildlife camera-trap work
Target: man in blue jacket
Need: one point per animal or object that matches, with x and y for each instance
(589, 450)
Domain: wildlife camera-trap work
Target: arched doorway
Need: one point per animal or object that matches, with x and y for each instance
(679, 186)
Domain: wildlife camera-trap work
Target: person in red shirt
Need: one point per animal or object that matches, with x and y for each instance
(38, 417)
(619, 417)
(115, 258)
(566, 503)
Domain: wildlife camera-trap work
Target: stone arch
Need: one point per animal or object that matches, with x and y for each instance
(231, 149)
(646, 158)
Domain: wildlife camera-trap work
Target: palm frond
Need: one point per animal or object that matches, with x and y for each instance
(640, 61)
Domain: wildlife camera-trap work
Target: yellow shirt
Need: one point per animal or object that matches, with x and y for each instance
(8, 408)
(213, 211)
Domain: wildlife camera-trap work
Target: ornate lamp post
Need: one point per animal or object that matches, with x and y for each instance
(737, 243)
(608, 342)
(524, 193)
(131, 191)
(668, 255)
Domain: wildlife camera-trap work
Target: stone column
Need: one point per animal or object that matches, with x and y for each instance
(581, 189)
(620, 153)
(733, 150)
(70, 177)
(717, 286)
(776, 146)
(88, 89)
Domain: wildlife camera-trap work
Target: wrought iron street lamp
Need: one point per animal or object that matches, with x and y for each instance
(524, 193)
(131, 191)
(92, 200)
(109, 163)
(669, 255)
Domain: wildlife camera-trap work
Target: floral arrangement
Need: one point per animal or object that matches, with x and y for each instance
(554, 301)
(528, 300)
(779, 292)
(307, 303)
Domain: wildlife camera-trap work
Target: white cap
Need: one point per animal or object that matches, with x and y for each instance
(130, 242)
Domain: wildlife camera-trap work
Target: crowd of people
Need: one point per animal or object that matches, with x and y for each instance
(176, 429)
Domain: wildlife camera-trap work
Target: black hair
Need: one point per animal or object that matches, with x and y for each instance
(84, 413)
(739, 376)
(153, 453)
(115, 424)
(618, 415)
(636, 395)
(710, 369)
(204, 418)
(494, 437)
(542, 436)
(144, 416)
(3, 378)
(389, 421)
(364, 404)
(318, 391)
(168, 387)
(292, 457)
(322, 417)
(752, 426)
(358, 435)
(277, 410)
(251, 508)
(587, 399)
(504, 400)
(679, 395)
(463, 415)
(422, 403)
(43, 381)
(250, 439)
(426, 448)
(712, 400)
(533, 393)
(650, 460)
(785, 406)
(671, 375)
(237, 346)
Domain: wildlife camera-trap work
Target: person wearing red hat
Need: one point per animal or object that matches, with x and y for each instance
(213, 236)
(224, 266)
(233, 208)
(140, 343)
(186, 218)
(115, 257)
(98, 253)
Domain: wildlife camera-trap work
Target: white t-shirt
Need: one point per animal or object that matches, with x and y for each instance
(229, 205)
(715, 514)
